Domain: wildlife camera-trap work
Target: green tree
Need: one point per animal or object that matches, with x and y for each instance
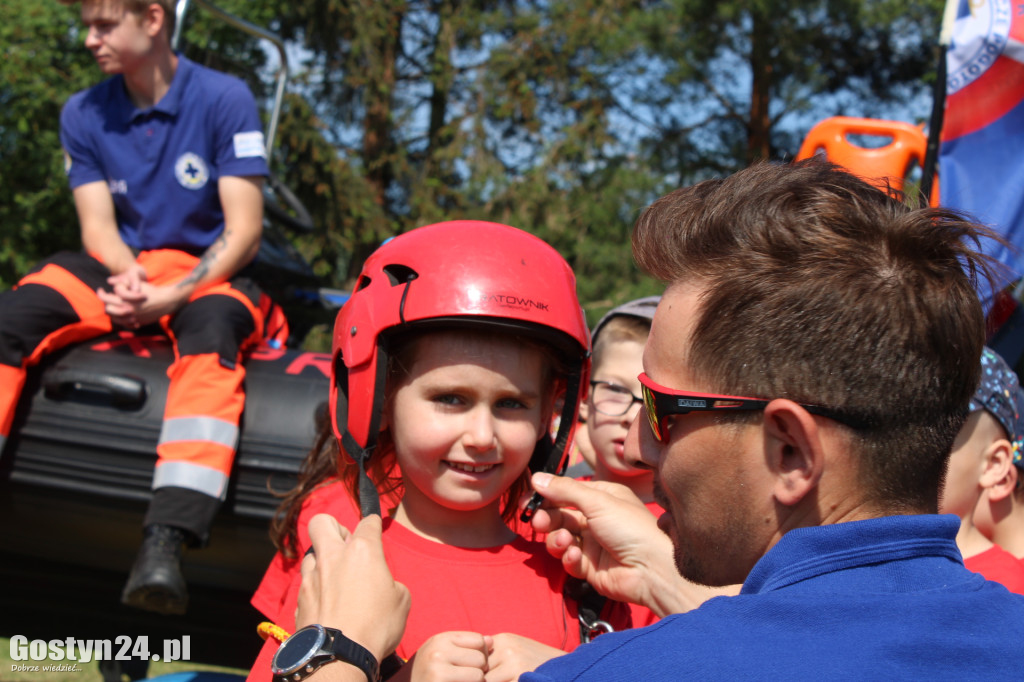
(742, 81)
(490, 110)
(563, 117)
(41, 64)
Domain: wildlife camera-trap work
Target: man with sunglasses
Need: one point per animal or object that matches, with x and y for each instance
(808, 368)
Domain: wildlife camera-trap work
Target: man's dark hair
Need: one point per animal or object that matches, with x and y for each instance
(820, 288)
(139, 6)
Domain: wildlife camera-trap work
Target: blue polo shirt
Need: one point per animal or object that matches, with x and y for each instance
(162, 164)
(881, 599)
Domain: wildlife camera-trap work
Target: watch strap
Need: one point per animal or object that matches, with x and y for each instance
(344, 649)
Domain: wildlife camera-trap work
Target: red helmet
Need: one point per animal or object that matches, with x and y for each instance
(463, 273)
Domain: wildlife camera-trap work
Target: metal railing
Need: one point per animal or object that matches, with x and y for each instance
(282, 71)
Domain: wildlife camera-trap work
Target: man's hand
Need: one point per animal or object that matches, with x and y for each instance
(129, 282)
(603, 534)
(135, 309)
(122, 302)
(347, 585)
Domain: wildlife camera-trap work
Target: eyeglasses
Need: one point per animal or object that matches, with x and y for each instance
(611, 399)
(661, 402)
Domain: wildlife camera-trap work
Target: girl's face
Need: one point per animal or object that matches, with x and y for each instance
(465, 420)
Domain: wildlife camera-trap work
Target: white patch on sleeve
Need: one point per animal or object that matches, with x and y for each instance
(249, 144)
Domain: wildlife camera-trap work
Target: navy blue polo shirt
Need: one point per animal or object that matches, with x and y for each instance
(162, 164)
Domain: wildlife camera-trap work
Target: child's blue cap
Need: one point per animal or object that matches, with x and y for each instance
(1000, 393)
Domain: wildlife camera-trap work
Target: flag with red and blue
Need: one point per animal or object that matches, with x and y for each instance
(981, 162)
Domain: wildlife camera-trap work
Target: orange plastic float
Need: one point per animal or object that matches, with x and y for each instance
(890, 162)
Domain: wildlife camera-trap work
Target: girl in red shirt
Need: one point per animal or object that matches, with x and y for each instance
(461, 347)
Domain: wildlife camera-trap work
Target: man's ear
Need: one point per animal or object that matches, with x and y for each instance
(153, 19)
(999, 473)
(794, 450)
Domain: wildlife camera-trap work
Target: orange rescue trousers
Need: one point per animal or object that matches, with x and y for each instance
(56, 305)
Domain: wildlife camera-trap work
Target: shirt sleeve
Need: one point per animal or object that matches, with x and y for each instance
(81, 165)
(240, 145)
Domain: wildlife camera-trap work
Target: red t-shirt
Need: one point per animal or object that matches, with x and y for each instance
(332, 498)
(998, 565)
(513, 588)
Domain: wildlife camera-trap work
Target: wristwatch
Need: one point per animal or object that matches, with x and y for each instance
(304, 652)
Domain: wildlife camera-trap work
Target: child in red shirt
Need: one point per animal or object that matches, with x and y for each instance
(452, 354)
(982, 456)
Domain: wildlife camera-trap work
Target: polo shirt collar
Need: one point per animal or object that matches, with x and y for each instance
(805, 553)
(170, 103)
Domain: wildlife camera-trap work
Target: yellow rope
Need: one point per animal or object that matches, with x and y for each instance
(267, 629)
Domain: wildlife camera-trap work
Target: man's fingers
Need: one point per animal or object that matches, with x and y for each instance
(568, 492)
(324, 527)
(589, 497)
(369, 528)
(563, 545)
(129, 295)
(121, 312)
(107, 297)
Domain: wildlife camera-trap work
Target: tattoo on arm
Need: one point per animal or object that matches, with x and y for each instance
(203, 266)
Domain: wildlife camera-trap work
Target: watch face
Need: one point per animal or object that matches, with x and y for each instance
(297, 650)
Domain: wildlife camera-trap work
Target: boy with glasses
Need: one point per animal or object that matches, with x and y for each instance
(614, 399)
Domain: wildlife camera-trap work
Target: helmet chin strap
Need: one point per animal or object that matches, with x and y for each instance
(565, 424)
(369, 498)
(554, 464)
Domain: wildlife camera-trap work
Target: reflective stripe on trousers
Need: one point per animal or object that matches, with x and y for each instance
(205, 429)
(195, 477)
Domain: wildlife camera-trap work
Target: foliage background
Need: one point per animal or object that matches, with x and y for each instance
(563, 117)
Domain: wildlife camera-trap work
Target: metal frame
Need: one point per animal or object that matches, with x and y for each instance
(282, 71)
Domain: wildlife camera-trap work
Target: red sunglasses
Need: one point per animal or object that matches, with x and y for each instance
(661, 402)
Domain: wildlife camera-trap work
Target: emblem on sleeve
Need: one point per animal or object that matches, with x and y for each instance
(249, 144)
(191, 171)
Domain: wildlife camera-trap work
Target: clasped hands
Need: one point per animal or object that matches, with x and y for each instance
(133, 301)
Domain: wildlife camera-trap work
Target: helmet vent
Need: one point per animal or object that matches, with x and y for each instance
(399, 274)
(364, 282)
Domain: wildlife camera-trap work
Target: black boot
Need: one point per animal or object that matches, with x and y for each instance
(156, 583)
